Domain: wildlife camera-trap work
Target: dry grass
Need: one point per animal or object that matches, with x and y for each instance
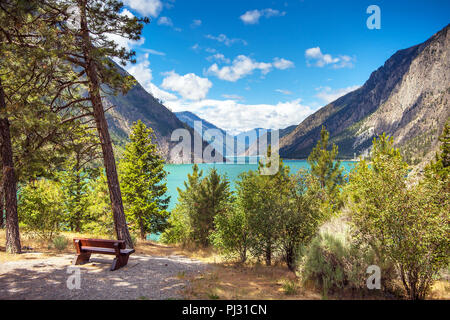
(440, 290)
(223, 280)
(253, 282)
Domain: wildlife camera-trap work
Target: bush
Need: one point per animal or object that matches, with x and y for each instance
(334, 265)
(133, 239)
(39, 208)
(179, 230)
(231, 236)
(99, 218)
(290, 287)
(406, 224)
(60, 243)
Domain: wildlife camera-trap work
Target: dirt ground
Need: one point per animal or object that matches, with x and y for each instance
(155, 271)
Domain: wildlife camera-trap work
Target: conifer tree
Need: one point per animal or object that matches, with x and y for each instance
(212, 198)
(180, 226)
(143, 182)
(89, 26)
(326, 168)
(31, 76)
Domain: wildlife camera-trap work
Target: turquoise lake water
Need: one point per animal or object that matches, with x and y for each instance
(177, 174)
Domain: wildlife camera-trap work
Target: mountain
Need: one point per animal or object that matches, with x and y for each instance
(247, 138)
(189, 118)
(253, 150)
(139, 104)
(408, 98)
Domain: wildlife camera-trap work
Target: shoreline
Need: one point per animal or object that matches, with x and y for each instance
(230, 163)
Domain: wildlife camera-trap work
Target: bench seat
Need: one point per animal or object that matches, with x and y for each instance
(106, 250)
(85, 247)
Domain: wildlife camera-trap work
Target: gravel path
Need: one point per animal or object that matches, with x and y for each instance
(144, 277)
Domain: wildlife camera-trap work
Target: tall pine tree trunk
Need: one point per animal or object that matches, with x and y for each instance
(269, 254)
(2, 207)
(102, 127)
(9, 182)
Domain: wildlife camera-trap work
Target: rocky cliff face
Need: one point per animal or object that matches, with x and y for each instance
(408, 98)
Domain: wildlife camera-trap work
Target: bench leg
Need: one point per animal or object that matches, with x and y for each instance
(119, 262)
(82, 258)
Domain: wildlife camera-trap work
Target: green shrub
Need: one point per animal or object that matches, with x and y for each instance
(60, 243)
(40, 210)
(133, 239)
(99, 217)
(231, 236)
(179, 230)
(405, 223)
(333, 264)
(290, 287)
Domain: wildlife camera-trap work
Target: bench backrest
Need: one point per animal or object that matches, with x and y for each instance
(100, 243)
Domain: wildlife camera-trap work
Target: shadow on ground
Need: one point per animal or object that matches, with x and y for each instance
(145, 277)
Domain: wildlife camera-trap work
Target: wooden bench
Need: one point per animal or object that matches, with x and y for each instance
(85, 247)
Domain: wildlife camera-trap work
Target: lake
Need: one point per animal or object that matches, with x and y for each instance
(177, 173)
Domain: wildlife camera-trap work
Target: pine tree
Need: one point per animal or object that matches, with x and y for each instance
(143, 182)
(2, 207)
(82, 150)
(180, 226)
(31, 78)
(90, 23)
(213, 197)
(79, 31)
(327, 168)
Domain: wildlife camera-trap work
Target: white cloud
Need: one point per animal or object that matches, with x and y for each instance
(218, 57)
(253, 16)
(225, 40)
(189, 86)
(329, 95)
(344, 62)
(286, 92)
(282, 64)
(229, 114)
(145, 7)
(243, 66)
(196, 23)
(237, 117)
(232, 97)
(151, 51)
(319, 59)
(142, 72)
(165, 21)
(161, 94)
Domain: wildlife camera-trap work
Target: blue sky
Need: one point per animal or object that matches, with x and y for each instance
(246, 64)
